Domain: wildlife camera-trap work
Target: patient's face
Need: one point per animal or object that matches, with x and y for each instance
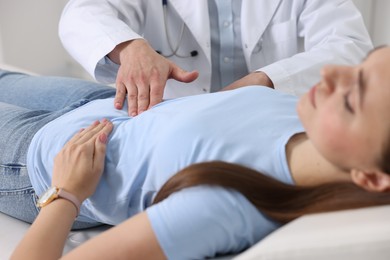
(346, 115)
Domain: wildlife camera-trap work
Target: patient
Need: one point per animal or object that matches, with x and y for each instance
(196, 176)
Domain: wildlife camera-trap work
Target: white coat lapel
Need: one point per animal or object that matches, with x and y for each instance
(255, 15)
(195, 15)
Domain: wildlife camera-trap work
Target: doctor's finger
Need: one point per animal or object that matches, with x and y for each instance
(157, 85)
(120, 95)
(143, 96)
(132, 96)
(181, 75)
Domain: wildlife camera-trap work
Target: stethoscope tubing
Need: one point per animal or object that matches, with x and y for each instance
(174, 50)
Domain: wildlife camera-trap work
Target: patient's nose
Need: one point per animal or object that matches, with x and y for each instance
(328, 78)
(338, 77)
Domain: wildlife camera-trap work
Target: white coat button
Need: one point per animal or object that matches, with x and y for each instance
(226, 24)
(226, 59)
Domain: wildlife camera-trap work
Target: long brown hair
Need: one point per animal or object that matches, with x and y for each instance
(280, 201)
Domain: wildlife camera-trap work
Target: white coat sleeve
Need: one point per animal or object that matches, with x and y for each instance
(200, 222)
(333, 33)
(90, 29)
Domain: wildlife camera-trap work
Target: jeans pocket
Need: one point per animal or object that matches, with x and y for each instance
(17, 196)
(14, 176)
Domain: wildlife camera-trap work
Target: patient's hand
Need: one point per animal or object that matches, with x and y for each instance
(142, 75)
(254, 78)
(79, 165)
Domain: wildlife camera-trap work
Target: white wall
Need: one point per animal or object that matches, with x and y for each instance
(29, 38)
(381, 22)
(365, 8)
(377, 19)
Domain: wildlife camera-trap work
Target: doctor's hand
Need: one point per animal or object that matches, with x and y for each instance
(254, 78)
(142, 75)
(79, 165)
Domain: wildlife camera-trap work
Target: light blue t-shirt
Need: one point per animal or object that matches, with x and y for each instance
(249, 126)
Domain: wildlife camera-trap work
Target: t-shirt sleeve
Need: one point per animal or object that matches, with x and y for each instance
(203, 221)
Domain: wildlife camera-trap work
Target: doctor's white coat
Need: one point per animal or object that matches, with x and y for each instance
(289, 40)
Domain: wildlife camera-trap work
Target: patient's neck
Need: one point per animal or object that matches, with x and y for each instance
(307, 166)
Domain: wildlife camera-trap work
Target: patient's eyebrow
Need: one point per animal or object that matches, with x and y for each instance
(362, 87)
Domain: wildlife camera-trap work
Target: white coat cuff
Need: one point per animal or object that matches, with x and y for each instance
(279, 77)
(105, 71)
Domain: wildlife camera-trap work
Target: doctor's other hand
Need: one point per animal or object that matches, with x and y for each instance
(80, 163)
(142, 75)
(254, 78)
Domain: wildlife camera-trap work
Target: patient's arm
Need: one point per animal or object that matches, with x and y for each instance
(77, 169)
(254, 78)
(46, 237)
(133, 239)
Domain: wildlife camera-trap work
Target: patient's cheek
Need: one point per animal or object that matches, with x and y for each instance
(308, 117)
(334, 140)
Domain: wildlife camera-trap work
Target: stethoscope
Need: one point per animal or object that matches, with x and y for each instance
(174, 50)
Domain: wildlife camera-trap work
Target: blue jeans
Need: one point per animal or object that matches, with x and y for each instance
(27, 103)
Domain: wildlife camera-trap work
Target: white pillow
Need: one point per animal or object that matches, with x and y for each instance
(350, 234)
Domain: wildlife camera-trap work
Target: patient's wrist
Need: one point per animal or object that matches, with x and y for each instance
(54, 193)
(263, 79)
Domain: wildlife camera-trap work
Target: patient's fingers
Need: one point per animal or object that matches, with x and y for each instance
(94, 132)
(82, 132)
(91, 132)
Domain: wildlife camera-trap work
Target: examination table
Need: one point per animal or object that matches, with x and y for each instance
(362, 234)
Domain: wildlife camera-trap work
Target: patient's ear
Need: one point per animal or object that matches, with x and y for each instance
(371, 180)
